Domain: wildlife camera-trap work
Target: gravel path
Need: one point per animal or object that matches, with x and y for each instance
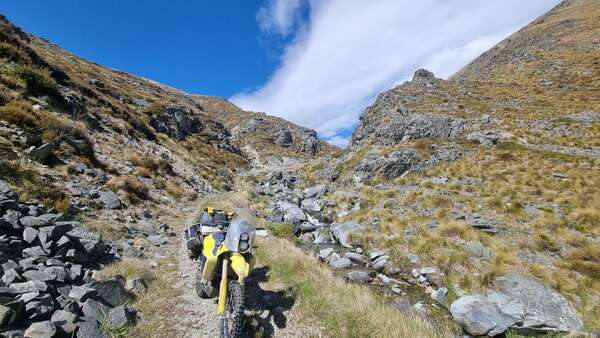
(200, 314)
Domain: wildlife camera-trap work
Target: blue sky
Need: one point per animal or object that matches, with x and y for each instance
(205, 47)
(318, 63)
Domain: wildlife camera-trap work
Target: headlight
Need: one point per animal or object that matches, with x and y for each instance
(244, 237)
(244, 244)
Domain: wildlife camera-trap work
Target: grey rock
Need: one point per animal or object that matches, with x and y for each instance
(120, 317)
(7, 316)
(391, 166)
(30, 286)
(488, 138)
(379, 263)
(482, 224)
(311, 205)
(359, 276)
(177, 122)
(338, 262)
(29, 235)
(355, 257)
(283, 138)
(317, 191)
(136, 285)
(82, 293)
(545, 309)
(11, 276)
(374, 254)
(41, 153)
(342, 232)
(585, 117)
(94, 310)
(38, 306)
(43, 329)
(65, 321)
(325, 253)
(478, 316)
(112, 291)
(441, 296)
(90, 329)
(512, 309)
(109, 200)
(32, 221)
(157, 240)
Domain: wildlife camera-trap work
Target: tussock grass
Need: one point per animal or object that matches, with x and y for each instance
(129, 268)
(344, 310)
(133, 188)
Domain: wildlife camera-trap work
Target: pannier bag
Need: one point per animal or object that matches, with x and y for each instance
(193, 241)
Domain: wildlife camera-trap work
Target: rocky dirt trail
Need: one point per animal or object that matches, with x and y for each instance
(200, 316)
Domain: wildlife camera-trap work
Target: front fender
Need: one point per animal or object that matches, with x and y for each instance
(241, 266)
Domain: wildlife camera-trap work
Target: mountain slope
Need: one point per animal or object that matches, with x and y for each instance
(485, 176)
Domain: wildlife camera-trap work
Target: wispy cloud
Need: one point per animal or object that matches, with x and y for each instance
(350, 50)
(279, 16)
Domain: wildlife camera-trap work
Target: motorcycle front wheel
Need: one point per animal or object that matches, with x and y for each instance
(232, 322)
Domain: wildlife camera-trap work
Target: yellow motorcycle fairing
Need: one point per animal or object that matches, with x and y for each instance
(213, 247)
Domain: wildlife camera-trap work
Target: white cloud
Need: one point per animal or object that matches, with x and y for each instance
(350, 50)
(279, 16)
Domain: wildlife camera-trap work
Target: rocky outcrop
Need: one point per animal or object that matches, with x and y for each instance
(389, 122)
(46, 286)
(521, 303)
(177, 122)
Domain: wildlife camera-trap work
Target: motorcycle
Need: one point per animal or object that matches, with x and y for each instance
(225, 262)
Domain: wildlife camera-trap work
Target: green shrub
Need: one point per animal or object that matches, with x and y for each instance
(39, 81)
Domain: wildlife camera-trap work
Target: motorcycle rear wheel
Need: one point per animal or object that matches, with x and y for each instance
(232, 322)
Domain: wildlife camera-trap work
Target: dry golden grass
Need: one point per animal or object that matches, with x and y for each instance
(132, 187)
(342, 309)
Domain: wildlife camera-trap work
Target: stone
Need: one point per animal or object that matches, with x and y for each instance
(283, 138)
(32, 221)
(38, 305)
(355, 257)
(489, 138)
(157, 240)
(29, 235)
(379, 263)
(478, 316)
(441, 296)
(311, 205)
(323, 235)
(109, 200)
(90, 329)
(338, 262)
(41, 153)
(43, 329)
(325, 253)
(7, 316)
(65, 321)
(30, 286)
(94, 310)
(136, 285)
(359, 276)
(82, 293)
(177, 122)
(120, 317)
(291, 213)
(58, 230)
(11, 276)
(342, 232)
(376, 254)
(112, 291)
(544, 308)
(317, 191)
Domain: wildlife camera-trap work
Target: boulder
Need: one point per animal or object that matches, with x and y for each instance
(478, 250)
(112, 291)
(136, 286)
(311, 205)
(43, 329)
(82, 293)
(283, 138)
(65, 321)
(291, 213)
(109, 200)
(177, 122)
(338, 262)
(120, 317)
(440, 295)
(317, 191)
(488, 138)
(90, 329)
(359, 276)
(41, 153)
(325, 253)
(342, 232)
(29, 235)
(94, 310)
(6, 315)
(544, 308)
(478, 316)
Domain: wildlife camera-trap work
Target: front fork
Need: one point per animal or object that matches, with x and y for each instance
(223, 288)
